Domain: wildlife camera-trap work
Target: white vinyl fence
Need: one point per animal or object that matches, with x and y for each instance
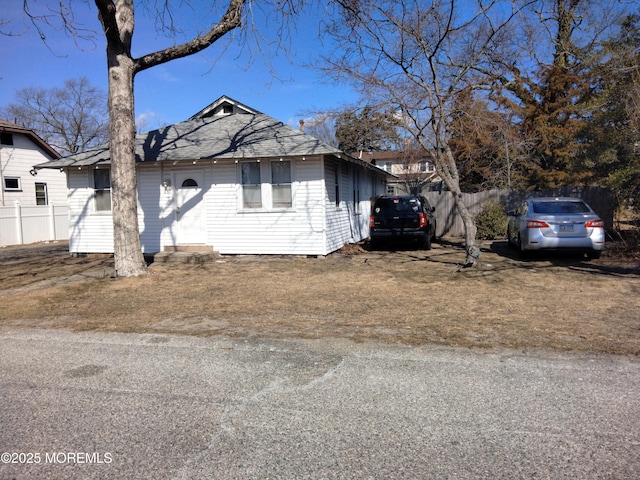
(448, 221)
(22, 224)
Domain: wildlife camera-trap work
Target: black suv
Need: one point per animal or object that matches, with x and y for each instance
(400, 218)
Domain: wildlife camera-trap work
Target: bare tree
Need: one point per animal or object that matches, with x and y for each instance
(71, 119)
(418, 57)
(322, 125)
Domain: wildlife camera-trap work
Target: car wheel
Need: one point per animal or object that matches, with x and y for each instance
(510, 241)
(523, 253)
(427, 242)
(594, 255)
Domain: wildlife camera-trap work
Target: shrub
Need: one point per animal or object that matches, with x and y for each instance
(491, 221)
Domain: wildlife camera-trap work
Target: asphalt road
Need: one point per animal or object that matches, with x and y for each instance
(121, 406)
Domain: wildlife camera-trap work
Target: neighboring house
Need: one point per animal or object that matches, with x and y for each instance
(20, 150)
(229, 179)
(412, 169)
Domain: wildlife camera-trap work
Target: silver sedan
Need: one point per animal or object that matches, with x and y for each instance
(556, 224)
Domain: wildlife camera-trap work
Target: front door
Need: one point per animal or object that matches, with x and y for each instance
(189, 225)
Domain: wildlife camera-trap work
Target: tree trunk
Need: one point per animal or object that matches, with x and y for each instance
(117, 20)
(129, 260)
(470, 230)
(448, 170)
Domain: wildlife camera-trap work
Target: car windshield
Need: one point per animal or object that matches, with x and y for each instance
(551, 207)
(397, 204)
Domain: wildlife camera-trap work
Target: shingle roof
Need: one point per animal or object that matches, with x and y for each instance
(233, 136)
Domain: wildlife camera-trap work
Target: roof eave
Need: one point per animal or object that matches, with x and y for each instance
(34, 137)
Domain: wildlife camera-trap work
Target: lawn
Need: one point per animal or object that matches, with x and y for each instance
(405, 296)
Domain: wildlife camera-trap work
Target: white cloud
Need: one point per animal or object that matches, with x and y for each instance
(149, 120)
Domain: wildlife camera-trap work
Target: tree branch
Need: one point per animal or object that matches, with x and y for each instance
(230, 20)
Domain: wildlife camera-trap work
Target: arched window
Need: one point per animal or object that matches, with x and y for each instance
(189, 182)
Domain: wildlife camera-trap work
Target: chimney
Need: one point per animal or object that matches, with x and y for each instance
(302, 126)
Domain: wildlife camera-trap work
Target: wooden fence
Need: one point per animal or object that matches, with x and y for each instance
(449, 222)
(22, 224)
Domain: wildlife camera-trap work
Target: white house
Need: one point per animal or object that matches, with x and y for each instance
(229, 179)
(20, 150)
(33, 203)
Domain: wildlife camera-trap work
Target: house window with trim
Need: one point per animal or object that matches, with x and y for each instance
(386, 166)
(41, 194)
(12, 184)
(426, 166)
(281, 184)
(251, 185)
(102, 189)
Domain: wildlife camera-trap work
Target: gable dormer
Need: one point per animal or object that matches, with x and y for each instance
(224, 106)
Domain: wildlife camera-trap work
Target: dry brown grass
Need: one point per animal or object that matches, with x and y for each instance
(410, 297)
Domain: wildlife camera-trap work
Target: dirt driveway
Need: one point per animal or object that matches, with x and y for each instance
(405, 296)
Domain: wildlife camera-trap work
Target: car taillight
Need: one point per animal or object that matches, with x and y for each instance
(423, 220)
(595, 224)
(537, 224)
(372, 222)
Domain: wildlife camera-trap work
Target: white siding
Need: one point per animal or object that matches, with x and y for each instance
(89, 231)
(348, 221)
(338, 225)
(16, 161)
(152, 199)
(298, 230)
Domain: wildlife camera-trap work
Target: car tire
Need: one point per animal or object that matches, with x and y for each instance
(510, 242)
(594, 255)
(523, 253)
(427, 242)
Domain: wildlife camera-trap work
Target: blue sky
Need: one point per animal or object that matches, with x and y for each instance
(176, 90)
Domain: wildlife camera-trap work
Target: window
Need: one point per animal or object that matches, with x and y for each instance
(429, 167)
(12, 183)
(281, 184)
(560, 207)
(386, 166)
(356, 190)
(102, 189)
(189, 182)
(336, 173)
(251, 185)
(41, 194)
(6, 138)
